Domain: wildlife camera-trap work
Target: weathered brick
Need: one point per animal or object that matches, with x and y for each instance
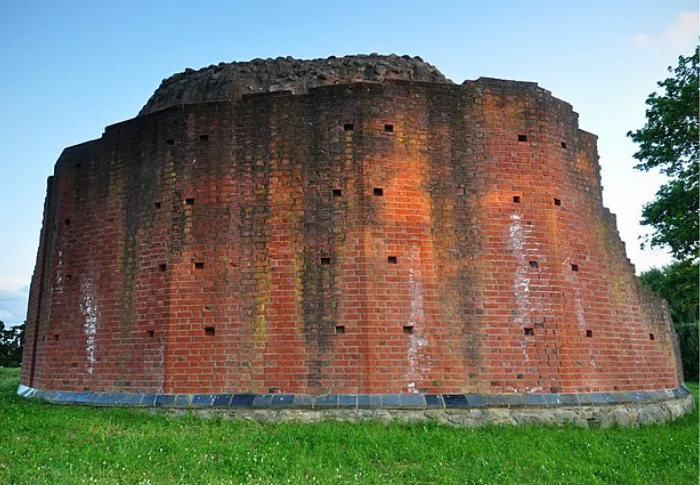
(208, 253)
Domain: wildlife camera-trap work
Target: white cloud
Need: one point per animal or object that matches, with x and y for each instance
(684, 31)
(13, 305)
(639, 40)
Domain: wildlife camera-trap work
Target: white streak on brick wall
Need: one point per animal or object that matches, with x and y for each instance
(418, 342)
(88, 308)
(522, 281)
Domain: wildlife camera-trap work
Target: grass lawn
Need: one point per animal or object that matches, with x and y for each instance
(51, 444)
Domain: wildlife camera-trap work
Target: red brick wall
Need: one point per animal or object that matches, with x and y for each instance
(203, 249)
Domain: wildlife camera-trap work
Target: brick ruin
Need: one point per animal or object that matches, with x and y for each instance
(376, 235)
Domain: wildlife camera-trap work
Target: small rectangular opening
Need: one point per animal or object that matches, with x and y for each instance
(162, 267)
(67, 221)
(150, 333)
(203, 137)
(78, 165)
(392, 260)
(557, 201)
(563, 144)
(198, 265)
(337, 192)
(69, 277)
(516, 199)
(340, 329)
(209, 331)
(522, 137)
(189, 201)
(378, 191)
(529, 332)
(589, 333)
(408, 329)
(348, 126)
(389, 128)
(56, 336)
(574, 267)
(325, 261)
(156, 205)
(170, 141)
(651, 336)
(533, 264)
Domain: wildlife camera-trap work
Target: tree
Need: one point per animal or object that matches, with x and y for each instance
(669, 141)
(11, 344)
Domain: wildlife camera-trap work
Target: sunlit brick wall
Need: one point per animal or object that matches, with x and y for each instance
(364, 238)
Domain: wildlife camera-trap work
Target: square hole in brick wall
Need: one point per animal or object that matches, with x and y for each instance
(574, 267)
(339, 329)
(78, 165)
(348, 127)
(156, 205)
(533, 264)
(189, 201)
(522, 137)
(150, 333)
(337, 192)
(203, 137)
(170, 141)
(563, 144)
(67, 221)
(209, 331)
(408, 329)
(589, 333)
(325, 261)
(529, 332)
(389, 128)
(392, 260)
(56, 336)
(162, 266)
(198, 265)
(378, 191)
(557, 201)
(516, 199)
(651, 336)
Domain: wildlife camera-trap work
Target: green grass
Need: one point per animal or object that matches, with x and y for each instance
(50, 444)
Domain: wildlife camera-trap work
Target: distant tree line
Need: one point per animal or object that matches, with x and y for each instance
(11, 344)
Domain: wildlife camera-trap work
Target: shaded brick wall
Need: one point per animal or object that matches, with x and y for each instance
(362, 238)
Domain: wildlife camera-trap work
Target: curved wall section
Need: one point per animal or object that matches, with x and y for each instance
(395, 238)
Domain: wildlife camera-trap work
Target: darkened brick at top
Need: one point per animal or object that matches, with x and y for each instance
(215, 248)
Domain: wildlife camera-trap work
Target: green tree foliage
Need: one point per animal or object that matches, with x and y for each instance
(669, 142)
(678, 284)
(11, 341)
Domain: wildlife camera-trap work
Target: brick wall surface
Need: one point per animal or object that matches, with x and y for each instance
(361, 238)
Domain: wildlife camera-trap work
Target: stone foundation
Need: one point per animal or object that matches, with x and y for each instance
(470, 410)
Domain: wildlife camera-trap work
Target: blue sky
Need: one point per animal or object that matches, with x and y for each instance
(69, 68)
